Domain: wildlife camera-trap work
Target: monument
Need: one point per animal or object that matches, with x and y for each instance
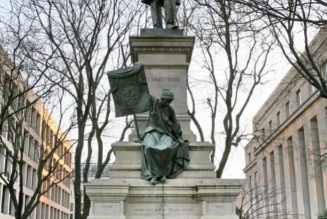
(182, 184)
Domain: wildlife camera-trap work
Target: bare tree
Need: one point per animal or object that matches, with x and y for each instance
(235, 54)
(21, 89)
(292, 24)
(78, 42)
(257, 201)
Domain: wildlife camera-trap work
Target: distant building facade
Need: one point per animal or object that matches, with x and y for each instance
(286, 161)
(36, 131)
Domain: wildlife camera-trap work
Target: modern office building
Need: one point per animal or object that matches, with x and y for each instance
(39, 130)
(286, 161)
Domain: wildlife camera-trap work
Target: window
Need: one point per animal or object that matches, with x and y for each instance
(270, 127)
(33, 121)
(304, 171)
(38, 124)
(298, 98)
(287, 109)
(36, 151)
(293, 174)
(251, 188)
(272, 181)
(14, 97)
(11, 129)
(263, 134)
(26, 143)
(28, 112)
(31, 148)
(5, 200)
(278, 119)
(282, 177)
(324, 70)
(24, 171)
(8, 163)
(2, 158)
(312, 89)
(0, 195)
(34, 179)
(4, 132)
(255, 181)
(29, 178)
(265, 180)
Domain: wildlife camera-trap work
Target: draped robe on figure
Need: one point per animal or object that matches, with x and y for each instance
(165, 154)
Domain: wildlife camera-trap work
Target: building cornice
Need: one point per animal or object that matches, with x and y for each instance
(297, 113)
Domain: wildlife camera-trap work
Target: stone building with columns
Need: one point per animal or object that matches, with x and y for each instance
(286, 160)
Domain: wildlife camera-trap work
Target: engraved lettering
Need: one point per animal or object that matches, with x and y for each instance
(173, 79)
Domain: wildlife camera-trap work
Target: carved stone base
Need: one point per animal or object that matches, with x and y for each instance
(194, 194)
(175, 199)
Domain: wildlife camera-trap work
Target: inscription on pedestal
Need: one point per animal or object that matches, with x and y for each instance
(106, 208)
(220, 208)
(161, 79)
(148, 209)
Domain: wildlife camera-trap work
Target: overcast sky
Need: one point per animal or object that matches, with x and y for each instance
(236, 163)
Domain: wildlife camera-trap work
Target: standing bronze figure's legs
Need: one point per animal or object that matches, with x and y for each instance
(156, 14)
(170, 13)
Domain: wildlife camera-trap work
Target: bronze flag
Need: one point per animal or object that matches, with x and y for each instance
(130, 90)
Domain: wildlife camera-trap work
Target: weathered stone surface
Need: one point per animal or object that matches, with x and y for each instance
(175, 199)
(128, 161)
(162, 32)
(166, 60)
(194, 194)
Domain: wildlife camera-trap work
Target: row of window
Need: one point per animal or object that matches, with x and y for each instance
(42, 211)
(266, 132)
(287, 107)
(56, 193)
(45, 211)
(7, 206)
(53, 141)
(59, 196)
(294, 148)
(31, 146)
(33, 118)
(29, 173)
(12, 131)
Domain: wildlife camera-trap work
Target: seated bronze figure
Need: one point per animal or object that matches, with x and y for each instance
(165, 153)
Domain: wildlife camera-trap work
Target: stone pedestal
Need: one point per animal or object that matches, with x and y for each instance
(176, 199)
(166, 56)
(194, 194)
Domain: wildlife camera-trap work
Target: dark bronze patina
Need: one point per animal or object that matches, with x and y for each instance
(170, 12)
(165, 153)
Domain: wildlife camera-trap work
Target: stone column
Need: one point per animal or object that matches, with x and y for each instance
(166, 56)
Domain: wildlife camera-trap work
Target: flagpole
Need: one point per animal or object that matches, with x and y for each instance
(137, 127)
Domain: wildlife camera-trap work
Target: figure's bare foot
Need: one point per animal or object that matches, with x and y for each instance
(171, 26)
(154, 180)
(163, 179)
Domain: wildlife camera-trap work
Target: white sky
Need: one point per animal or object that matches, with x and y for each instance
(236, 163)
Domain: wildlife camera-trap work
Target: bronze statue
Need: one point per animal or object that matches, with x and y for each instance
(170, 12)
(165, 153)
